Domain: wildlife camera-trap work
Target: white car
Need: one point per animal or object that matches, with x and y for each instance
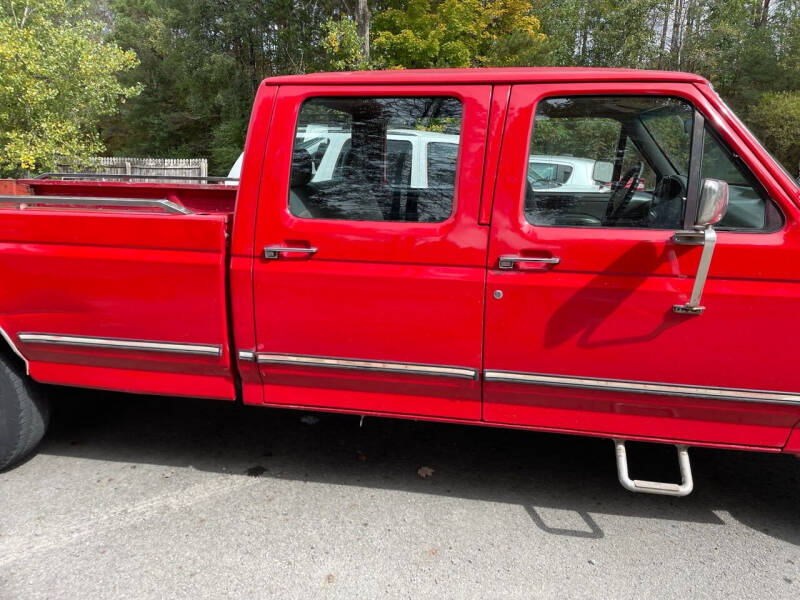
(569, 174)
(431, 154)
(236, 171)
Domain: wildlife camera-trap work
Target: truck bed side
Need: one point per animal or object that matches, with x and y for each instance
(118, 299)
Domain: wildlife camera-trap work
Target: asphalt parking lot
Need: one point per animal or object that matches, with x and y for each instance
(135, 497)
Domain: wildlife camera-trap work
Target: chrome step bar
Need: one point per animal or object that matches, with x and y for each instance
(655, 487)
(65, 201)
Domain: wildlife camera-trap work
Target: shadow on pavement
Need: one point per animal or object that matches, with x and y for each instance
(537, 471)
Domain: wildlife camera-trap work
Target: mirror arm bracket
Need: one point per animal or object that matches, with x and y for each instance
(694, 237)
(708, 238)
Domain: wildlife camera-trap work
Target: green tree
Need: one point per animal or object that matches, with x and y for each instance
(776, 118)
(602, 33)
(201, 64)
(57, 79)
(347, 50)
(456, 33)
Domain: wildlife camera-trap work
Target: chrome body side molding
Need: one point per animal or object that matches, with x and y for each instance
(120, 344)
(367, 365)
(645, 387)
(247, 355)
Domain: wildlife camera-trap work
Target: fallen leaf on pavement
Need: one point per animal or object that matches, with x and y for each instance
(424, 472)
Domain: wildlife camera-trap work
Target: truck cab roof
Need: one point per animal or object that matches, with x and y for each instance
(501, 75)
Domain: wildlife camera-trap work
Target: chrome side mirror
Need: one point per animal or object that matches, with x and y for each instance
(712, 207)
(713, 202)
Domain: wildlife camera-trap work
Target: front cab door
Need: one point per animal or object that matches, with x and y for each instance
(581, 335)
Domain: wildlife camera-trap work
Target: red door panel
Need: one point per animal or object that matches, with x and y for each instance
(591, 344)
(385, 316)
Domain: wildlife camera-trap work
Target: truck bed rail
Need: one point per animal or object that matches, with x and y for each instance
(24, 202)
(123, 176)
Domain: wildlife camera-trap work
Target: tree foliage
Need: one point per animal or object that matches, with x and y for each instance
(777, 117)
(345, 48)
(201, 64)
(57, 79)
(456, 33)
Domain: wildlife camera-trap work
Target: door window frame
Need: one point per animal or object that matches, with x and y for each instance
(705, 115)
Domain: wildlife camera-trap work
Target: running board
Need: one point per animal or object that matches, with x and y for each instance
(655, 487)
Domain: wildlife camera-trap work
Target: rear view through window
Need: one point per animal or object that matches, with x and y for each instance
(375, 159)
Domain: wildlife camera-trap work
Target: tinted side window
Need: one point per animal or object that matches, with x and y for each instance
(371, 168)
(747, 201)
(610, 161)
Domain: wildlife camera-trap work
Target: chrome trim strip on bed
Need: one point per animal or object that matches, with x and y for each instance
(645, 387)
(247, 355)
(120, 344)
(366, 365)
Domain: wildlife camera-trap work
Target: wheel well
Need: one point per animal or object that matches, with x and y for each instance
(11, 353)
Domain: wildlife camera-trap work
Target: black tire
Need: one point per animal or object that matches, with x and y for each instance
(24, 414)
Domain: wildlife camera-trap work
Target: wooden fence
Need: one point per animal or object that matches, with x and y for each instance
(182, 167)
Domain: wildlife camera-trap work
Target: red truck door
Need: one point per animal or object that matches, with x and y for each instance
(581, 336)
(370, 273)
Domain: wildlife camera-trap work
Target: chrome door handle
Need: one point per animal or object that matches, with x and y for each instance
(276, 251)
(507, 262)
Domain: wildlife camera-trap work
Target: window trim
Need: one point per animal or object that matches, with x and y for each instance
(692, 204)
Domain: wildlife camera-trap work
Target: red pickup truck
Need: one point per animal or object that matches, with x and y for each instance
(596, 252)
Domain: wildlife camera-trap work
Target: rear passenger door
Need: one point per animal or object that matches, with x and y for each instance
(369, 289)
(583, 275)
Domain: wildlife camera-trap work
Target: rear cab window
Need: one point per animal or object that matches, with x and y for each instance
(386, 159)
